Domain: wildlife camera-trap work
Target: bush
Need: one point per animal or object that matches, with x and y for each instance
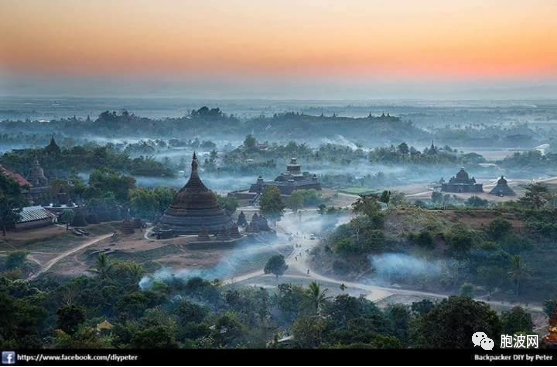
(424, 238)
(498, 229)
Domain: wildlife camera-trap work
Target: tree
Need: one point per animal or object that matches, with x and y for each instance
(83, 338)
(476, 201)
(400, 317)
(250, 142)
(498, 229)
(69, 318)
(367, 205)
(270, 203)
(460, 241)
(15, 260)
(67, 217)
(550, 306)
(467, 290)
(295, 201)
(156, 337)
(536, 196)
(188, 311)
(103, 266)
(518, 272)
(11, 200)
(492, 277)
(103, 181)
(403, 148)
(385, 197)
(316, 296)
(517, 320)
(308, 331)
(451, 323)
(275, 265)
(228, 204)
(422, 307)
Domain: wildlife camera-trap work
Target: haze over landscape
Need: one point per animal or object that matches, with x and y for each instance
(294, 174)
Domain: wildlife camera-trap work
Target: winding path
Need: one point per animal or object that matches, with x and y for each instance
(299, 268)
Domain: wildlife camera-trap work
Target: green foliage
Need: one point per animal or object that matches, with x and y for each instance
(517, 320)
(492, 277)
(476, 201)
(316, 297)
(70, 317)
(21, 317)
(451, 323)
(367, 205)
(400, 318)
(467, 290)
(308, 331)
(424, 238)
(275, 265)
(498, 229)
(87, 158)
(550, 306)
(84, 338)
(291, 300)
(106, 181)
(15, 260)
(67, 216)
(147, 203)
(228, 204)
(536, 196)
(155, 337)
(460, 241)
(422, 307)
(11, 199)
(410, 155)
(270, 203)
(250, 142)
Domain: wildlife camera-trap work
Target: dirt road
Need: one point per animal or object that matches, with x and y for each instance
(49, 264)
(298, 268)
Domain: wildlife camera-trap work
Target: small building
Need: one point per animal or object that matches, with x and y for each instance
(462, 183)
(502, 188)
(23, 183)
(32, 217)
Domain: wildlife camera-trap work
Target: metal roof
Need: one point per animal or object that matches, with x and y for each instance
(33, 213)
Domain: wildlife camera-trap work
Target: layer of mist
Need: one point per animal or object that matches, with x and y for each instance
(392, 266)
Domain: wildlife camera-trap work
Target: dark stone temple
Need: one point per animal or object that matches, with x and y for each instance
(195, 210)
(461, 183)
(287, 182)
(502, 188)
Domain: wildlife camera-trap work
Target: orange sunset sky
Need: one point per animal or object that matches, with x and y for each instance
(288, 40)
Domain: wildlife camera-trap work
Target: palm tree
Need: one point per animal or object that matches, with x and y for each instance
(103, 266)
(317, 297)
(518, 271)
(136, 271)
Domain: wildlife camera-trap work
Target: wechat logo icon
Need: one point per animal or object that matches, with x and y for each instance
(481, 339)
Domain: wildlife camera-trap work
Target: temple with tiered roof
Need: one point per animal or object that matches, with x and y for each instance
(461, 183)
(289, 181)
(195, 210)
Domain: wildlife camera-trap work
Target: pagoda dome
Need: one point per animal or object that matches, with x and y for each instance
(195, 207)
(502, 181)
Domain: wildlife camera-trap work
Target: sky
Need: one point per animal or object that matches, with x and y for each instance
(310, 49)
